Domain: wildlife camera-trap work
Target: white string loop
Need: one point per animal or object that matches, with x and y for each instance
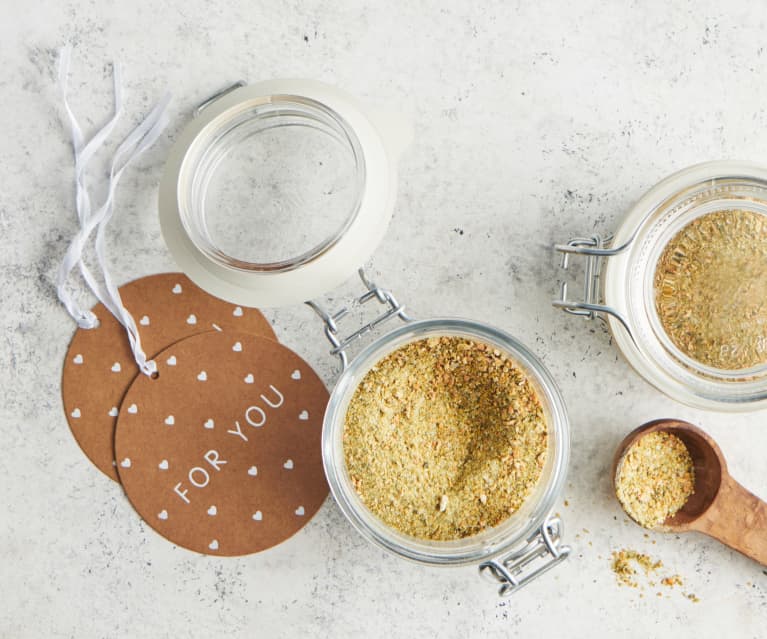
(83, 153)
(137, 141)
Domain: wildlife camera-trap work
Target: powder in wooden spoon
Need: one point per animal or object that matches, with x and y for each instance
(655, 478)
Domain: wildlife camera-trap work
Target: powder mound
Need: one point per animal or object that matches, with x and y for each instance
(444, 437)
(655, 478)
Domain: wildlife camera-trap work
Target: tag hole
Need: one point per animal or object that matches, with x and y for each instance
(155, 375)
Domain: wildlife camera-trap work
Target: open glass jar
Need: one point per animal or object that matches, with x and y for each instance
(681, 285)
(274, 194)
(518, 549)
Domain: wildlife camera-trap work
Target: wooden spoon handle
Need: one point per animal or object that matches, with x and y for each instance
(738, 519)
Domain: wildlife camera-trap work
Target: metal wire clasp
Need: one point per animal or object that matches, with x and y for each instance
(595, 249)
(220, 94)
(374, 292)
(541, 552)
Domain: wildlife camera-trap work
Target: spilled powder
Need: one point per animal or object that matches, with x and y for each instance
(625, 563)
(631, 565)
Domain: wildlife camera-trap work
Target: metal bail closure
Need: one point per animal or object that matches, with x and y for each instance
(219, 94)
(595, 249)
(374, 292)
(541, 552)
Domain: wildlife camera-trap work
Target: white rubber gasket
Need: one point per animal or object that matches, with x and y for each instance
(381, 138)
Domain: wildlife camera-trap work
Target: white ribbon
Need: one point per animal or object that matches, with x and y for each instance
(83, 154)
(138, 141)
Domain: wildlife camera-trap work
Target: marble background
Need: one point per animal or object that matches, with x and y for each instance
(533, 121)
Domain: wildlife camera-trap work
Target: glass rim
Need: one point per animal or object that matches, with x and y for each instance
(219, 136)
(382, 137)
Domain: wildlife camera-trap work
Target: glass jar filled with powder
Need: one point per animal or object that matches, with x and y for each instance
(683, 285)
(446, 442)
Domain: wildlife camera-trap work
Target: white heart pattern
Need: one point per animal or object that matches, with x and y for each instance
(209, 424)
(237, 347)
(237, 312)
(171, 361)
(76, 413)
(191, 319)
(177, 289)
(163, 465)
(288, 465)
(113, 411)
(303, 415)
(212, 511)
(116, 368)
(170, 420)
(133, 409)
(300, 511)
(144, 321)
(202, 376)
(125, 463)
(163, 514)
(257, 516)
(248, 378)
(78, 359)
(252, 471)
(296, 374)
(213, 545)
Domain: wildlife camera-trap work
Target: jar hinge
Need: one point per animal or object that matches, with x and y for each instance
(374, 292)
(595, 249)
(514, 570)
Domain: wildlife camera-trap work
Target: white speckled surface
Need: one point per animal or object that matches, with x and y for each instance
(534, 121)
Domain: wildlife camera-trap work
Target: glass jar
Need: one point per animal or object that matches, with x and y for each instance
(274, 194)
(507, 552)
(620, 284)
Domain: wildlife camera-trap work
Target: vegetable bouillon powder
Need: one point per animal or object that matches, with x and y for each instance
(655, 478)
(444, 438)
(711, 289)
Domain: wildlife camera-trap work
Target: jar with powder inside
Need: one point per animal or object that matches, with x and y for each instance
(682, 285)
(443, 483)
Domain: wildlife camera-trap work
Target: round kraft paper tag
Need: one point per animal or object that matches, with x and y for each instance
(99, 365)
(221, 453)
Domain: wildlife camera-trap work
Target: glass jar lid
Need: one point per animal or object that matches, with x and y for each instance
(276, 192)
(690, 286)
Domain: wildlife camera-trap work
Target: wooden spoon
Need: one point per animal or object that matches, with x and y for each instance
(720, 507)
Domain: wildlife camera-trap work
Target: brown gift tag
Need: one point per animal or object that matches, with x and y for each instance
(99, 365)
(221, 453)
